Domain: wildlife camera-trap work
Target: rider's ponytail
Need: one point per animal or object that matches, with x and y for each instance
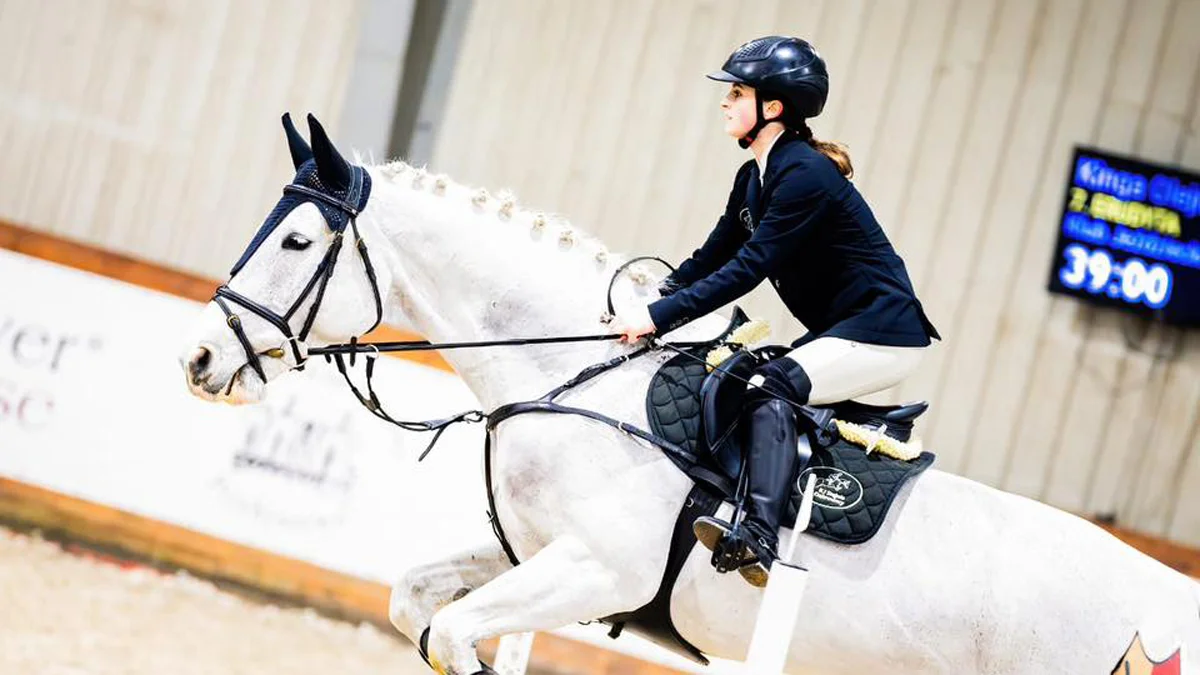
(838, 153)
(792, 118)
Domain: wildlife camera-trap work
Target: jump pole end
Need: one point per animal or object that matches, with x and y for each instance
(780, 607)
(512, 655)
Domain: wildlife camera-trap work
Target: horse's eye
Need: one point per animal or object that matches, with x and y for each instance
(296, 242)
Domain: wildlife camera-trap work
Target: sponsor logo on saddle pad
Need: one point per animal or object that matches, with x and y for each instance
(835, 489)
(1137, 662)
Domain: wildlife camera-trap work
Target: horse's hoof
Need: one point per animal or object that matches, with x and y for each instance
(709, 530)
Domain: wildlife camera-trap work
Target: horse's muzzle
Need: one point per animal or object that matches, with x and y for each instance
(197, 366)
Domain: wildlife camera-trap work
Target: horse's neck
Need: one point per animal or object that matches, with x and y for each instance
(462, 274)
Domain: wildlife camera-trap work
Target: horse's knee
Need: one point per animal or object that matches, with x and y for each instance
(416, 597)
(409, 606)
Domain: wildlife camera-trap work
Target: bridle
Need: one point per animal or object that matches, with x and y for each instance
(347, 210)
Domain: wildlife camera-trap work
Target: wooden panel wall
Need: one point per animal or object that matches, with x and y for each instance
(152, 126)
(961, 116)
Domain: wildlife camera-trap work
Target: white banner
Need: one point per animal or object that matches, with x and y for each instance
(93, 404)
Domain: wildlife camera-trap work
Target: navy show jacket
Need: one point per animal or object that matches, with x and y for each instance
(809, 231)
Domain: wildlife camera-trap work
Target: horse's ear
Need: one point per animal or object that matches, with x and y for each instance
(301, 153)
(333, 170)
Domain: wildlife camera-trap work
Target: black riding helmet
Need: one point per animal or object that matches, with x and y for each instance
(778, 68)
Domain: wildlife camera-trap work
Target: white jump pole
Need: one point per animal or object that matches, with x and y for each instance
(781, 601)
(512, 656)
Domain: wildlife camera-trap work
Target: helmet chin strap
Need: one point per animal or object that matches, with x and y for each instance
(760, 123)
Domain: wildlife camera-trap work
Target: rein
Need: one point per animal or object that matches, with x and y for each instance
(371, 402)
(356, 347)
(371, 350)
(357, 193)
(346, 215)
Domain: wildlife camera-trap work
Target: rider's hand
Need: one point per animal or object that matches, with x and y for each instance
(633, 323)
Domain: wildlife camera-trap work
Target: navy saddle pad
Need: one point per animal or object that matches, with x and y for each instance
(854, 490)
(699, 410)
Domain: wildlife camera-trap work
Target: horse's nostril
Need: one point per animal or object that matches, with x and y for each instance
(198, 364)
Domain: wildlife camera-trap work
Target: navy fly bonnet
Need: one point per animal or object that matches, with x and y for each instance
(336, 217)
(340, 191)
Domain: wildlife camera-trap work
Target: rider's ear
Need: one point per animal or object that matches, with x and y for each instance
(333, 171)
(301, 153)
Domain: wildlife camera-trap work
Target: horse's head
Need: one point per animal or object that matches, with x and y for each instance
(308, 271)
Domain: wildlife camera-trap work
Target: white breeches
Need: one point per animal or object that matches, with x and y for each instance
(842, 369)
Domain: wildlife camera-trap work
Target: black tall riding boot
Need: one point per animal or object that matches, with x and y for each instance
(771, 461)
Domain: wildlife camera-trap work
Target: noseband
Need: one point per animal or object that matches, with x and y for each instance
(347, 211)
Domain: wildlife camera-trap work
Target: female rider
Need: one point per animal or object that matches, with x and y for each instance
(793, 217)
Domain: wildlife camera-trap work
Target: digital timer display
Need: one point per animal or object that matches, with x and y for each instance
(1129, 237)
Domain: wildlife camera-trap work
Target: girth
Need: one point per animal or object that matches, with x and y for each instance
(653, 619)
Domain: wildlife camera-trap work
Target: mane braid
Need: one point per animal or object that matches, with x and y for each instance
(506, 209)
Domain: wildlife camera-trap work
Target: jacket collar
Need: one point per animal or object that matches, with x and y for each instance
(774, 142)
(775, 155)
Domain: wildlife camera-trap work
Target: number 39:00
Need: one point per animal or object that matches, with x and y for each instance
(1132, 281)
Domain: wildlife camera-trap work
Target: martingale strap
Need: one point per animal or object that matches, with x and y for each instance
(371, 402)
(682, 458)
(371, 351)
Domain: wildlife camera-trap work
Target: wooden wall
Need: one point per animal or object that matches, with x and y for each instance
(961, 116)
(151, 127)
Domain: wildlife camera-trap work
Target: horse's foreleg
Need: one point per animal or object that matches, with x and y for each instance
(426, 588)
(562, 584)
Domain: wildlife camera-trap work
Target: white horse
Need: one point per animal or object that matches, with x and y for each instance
(961, 578)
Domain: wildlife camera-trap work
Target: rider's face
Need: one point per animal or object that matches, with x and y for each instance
(737, 106)
(740, 112)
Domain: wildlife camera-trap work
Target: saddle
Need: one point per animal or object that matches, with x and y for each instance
(700, 411)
